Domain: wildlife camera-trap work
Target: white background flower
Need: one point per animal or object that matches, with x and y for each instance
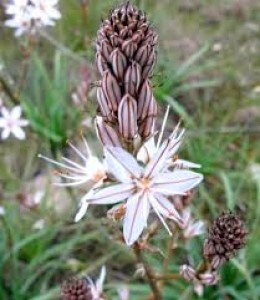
(28, 16)
(11, 123)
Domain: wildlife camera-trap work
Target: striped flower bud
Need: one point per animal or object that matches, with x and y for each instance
(104, 105)
(112, 90)
(107, 134)
(119, 63)
(127, 117)
(146, 127)
(132, 79)
(125, 58)
(147, 106)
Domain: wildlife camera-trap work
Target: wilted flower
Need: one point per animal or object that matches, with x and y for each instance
(29, 15)
(143, 187)
(226, 236)
(191, 228)
(84, 288)
(11, 123)
(199, 279)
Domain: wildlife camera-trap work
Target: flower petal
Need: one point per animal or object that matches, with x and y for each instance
(18, 133)
(16, 112)
(167, 209)
(23, 122)
(121, 164)
(100, 281)
(3, 123)
(154, 204)
(158, 161)
(177, 182)
(5, 133)
(167, 149)
(111, 194)
(137, 211)
(5, 113)
(184, 164)
(83, 206)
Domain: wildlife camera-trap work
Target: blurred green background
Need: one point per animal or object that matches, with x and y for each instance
(208, 71)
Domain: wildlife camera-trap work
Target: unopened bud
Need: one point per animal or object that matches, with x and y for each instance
(106, 134)
(127, 117)
(111, 89)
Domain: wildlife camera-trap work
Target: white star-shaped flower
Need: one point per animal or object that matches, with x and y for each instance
(46, 11)
(11, 123)
(143, 188)
(91, 170)
(22, 23)
(29, 16)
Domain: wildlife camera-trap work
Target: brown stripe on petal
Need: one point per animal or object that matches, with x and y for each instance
(145, 97)
(148, 69)
(119, 63)
(104, 108)
(101, 63)
(106, 49)
(146, 128)
(129, 47)
(106, 134)
(115, 40)
(127, 117)
(111, 89)
(142, 54)
(132, 79)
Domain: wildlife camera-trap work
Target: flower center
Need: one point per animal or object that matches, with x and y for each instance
(98, 175)
(143, 184)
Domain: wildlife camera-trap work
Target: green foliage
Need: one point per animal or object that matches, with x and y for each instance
(47, 102)
(204, 91)
(178, 79)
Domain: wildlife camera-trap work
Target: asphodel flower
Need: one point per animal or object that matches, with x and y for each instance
(74, 173)
(143, 188)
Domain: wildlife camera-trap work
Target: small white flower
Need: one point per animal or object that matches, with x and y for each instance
(76, 174)
(46, 12)
(92, 170)
(143, 188)
(22, 24)
(11, 123)
(28, 16)
(191, 228)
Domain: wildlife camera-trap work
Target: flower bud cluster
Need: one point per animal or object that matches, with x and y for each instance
(125, 58)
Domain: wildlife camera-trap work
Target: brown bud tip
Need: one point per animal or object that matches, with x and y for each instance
(76, 289)
(226, 236)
